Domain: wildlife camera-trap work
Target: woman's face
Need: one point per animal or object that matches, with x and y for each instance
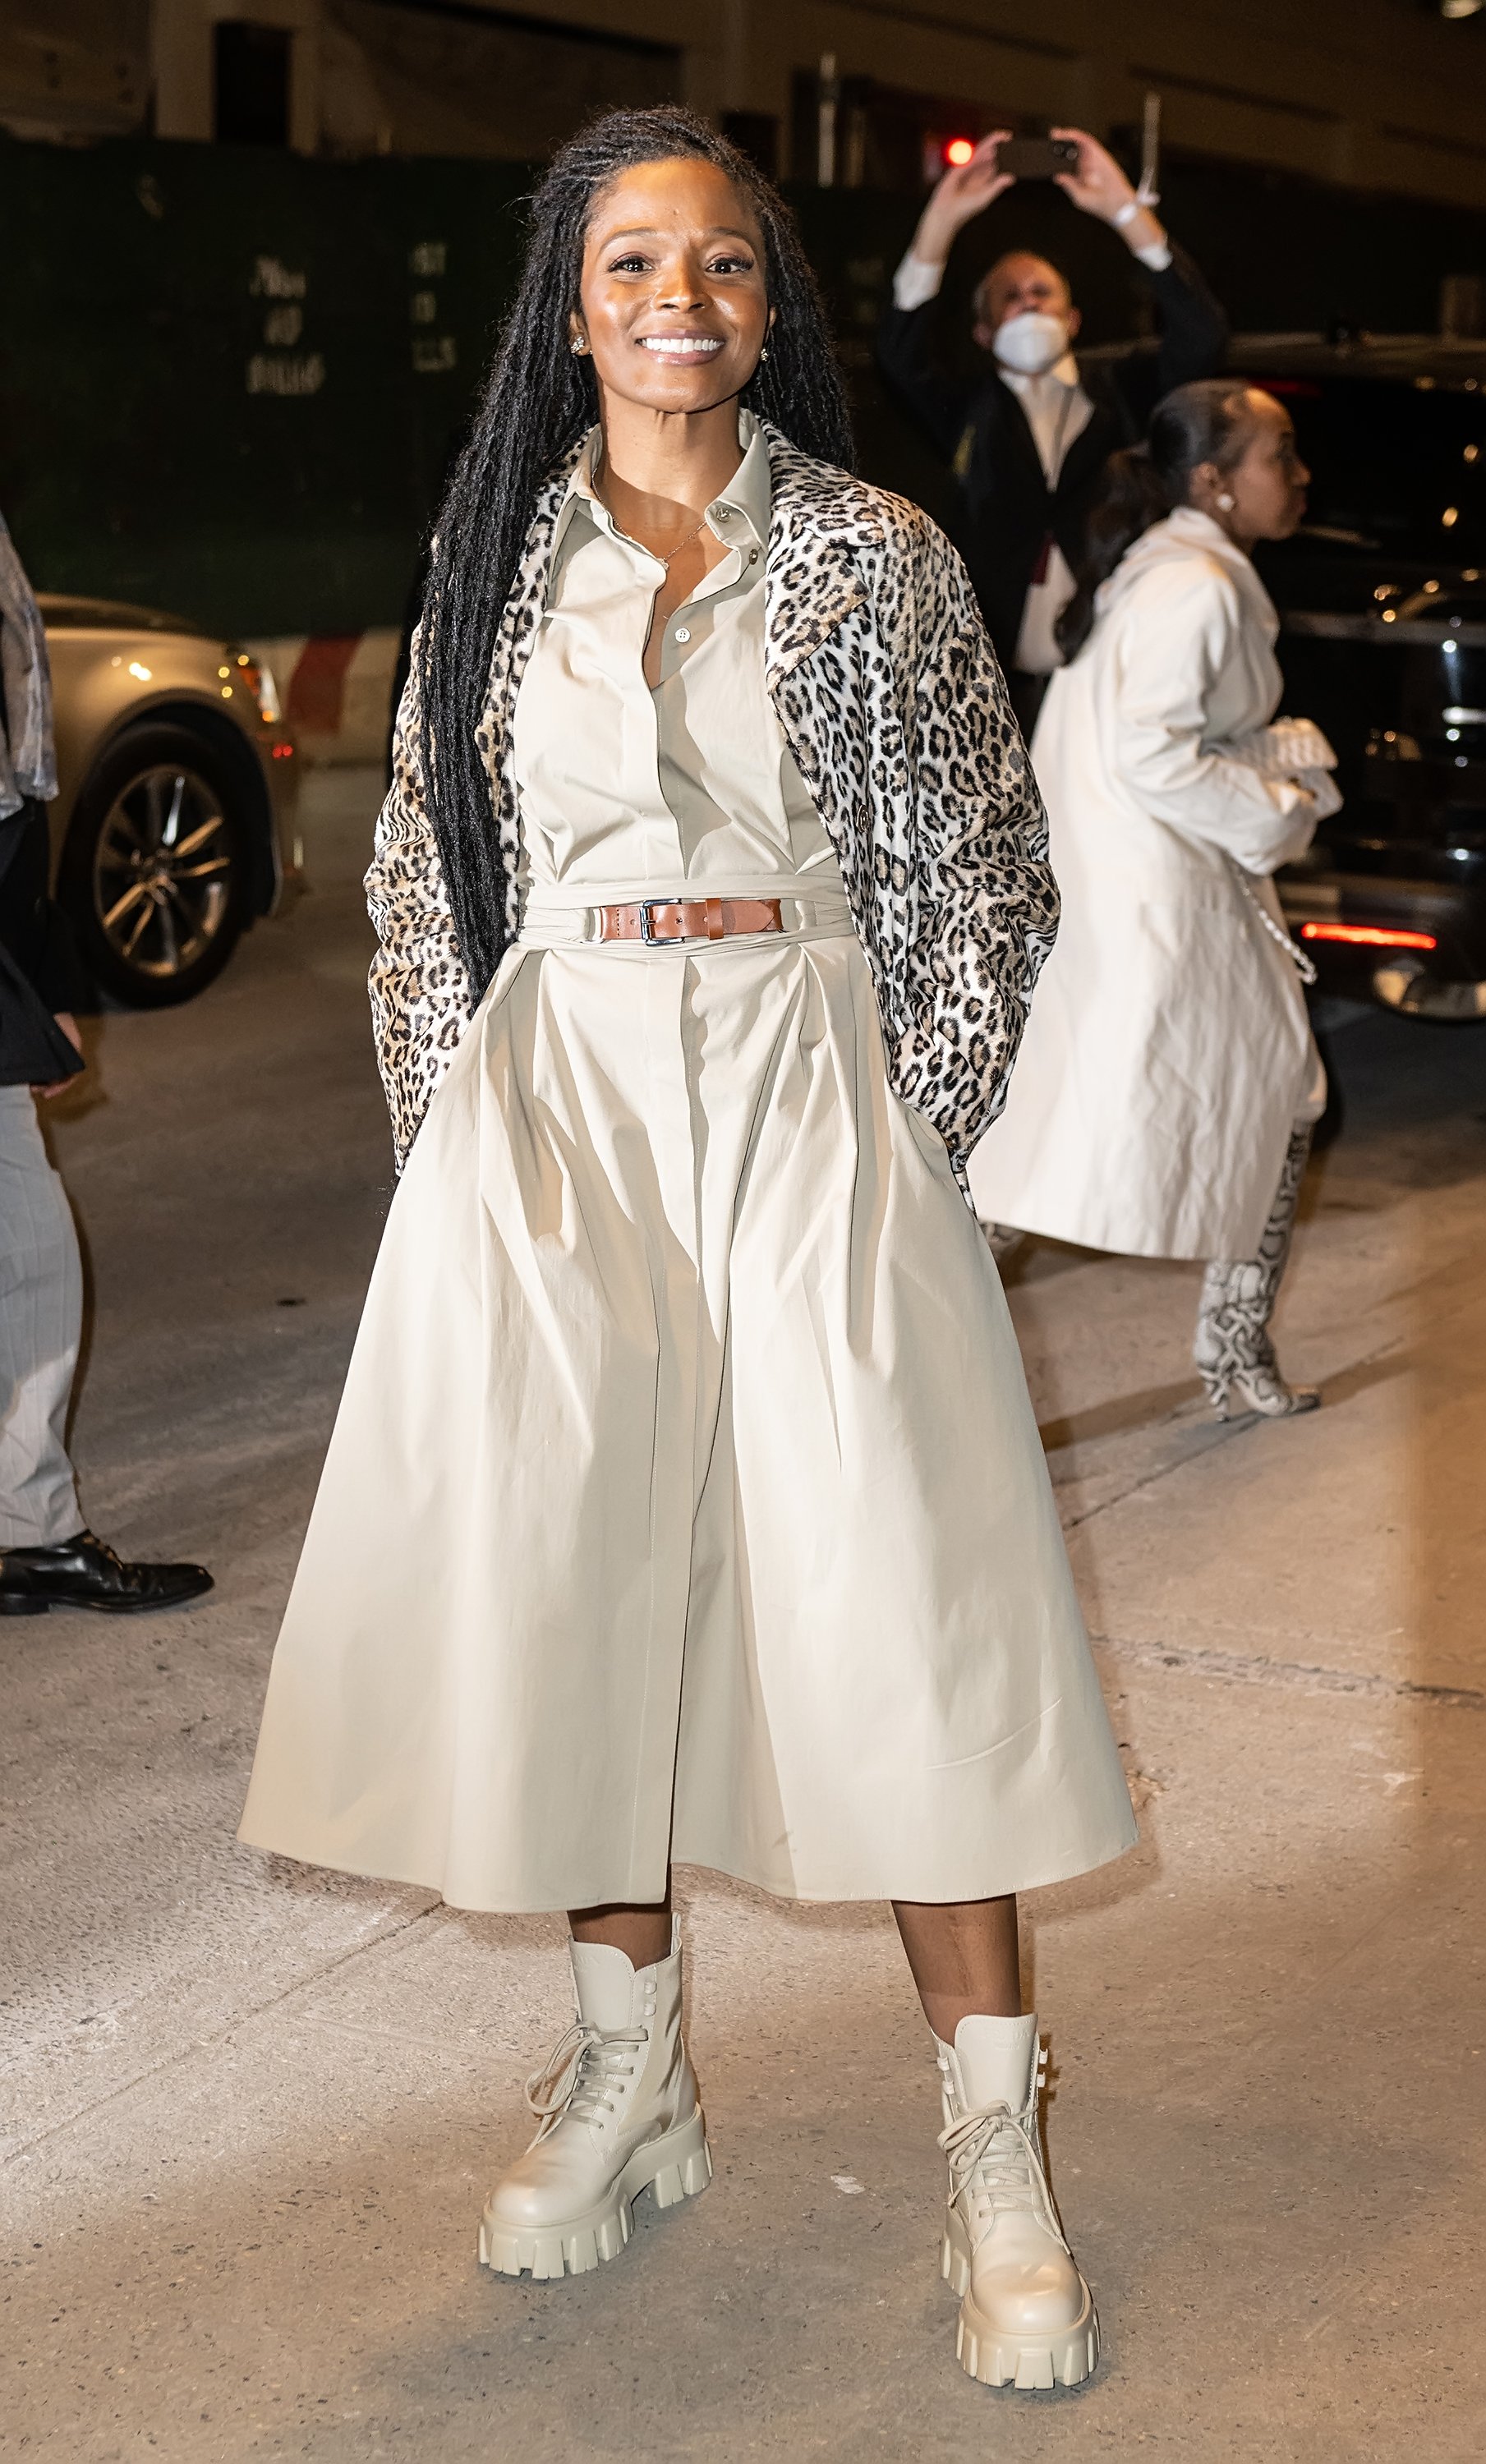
(672, 306)
(1268, 483)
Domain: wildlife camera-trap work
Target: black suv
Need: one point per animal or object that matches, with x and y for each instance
(1382, 597)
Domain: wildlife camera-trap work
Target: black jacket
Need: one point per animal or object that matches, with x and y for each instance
(1007, 510)
(39, 966)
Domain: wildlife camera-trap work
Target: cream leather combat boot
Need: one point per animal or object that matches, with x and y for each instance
(1026, 2314)
(618, 2111)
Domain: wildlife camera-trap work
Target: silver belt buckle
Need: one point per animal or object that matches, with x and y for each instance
(647, 934)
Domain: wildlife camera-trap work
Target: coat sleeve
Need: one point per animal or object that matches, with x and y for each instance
(909, 357)
(1172, 652)
(1194, 338)
(1193, 327)
(418, 984)
(987, 903)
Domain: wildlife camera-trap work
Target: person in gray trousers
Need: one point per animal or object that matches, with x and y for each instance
(48, 1558)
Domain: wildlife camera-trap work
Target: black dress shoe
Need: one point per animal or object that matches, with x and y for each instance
(86, 1573)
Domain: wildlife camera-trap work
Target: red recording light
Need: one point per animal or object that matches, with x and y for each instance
(1373, 936)
(958, 151)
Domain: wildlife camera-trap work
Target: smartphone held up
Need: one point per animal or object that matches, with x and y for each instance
(1037, 158)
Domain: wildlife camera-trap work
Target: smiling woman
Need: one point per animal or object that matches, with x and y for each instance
(674, 309)
(686, 1501)
(541, 399)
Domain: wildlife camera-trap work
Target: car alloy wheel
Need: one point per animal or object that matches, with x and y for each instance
(156, 874)
(162, 871)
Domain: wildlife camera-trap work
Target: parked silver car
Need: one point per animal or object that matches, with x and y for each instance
(174, 825)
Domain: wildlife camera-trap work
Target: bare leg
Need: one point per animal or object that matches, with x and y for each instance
(1025, 2314)
(642, 1933)
(964, 1958)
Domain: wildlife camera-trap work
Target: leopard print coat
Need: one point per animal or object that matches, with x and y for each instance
(890, 698)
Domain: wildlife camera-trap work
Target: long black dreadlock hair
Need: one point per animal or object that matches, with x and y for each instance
(539, 399)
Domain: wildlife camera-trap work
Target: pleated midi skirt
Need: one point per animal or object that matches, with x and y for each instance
(685, 1500)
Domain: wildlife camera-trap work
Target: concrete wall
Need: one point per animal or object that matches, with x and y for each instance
(378, 79)
(181, 57)
(1380, 95)
(73, 68)
(1371, 93)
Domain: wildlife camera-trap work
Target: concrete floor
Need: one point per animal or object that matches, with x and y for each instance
(250, 2112)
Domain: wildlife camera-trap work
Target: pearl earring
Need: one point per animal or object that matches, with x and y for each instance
(1226, 502)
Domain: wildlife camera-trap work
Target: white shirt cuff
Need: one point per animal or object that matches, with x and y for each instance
(1158, 256)
(915, 284)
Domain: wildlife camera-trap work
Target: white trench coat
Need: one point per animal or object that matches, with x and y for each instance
(1168, 1050)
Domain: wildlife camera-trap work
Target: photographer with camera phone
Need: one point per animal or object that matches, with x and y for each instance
(1029, 442)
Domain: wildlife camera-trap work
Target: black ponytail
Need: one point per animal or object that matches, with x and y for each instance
(1206, 422)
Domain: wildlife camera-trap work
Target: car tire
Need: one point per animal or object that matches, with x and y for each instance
(156, 869)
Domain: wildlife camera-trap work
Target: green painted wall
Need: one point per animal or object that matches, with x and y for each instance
(225, 386)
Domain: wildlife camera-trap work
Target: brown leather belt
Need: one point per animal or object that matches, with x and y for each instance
(689, 919)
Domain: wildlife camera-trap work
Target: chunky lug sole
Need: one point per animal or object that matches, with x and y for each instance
(675, 2167)
(997, 2358)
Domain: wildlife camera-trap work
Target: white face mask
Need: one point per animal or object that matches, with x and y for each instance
(1031, 342)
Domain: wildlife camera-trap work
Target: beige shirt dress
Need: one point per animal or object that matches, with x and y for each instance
(685, 1499)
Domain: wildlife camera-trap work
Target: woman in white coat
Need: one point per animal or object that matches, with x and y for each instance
(1162, 1100)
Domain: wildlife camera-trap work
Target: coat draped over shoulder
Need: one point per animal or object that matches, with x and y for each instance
(887, 690)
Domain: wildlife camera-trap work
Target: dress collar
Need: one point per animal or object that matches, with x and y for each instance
(743, 505)
(1186, 522)
(1193, 529)
(1198, 533)
(747, 497)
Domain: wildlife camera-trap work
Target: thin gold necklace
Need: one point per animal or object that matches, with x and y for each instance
(667, 561)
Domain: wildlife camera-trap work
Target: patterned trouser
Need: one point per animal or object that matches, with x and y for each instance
(1238, 1294)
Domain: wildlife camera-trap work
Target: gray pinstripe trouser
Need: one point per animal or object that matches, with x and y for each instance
(40, 1329)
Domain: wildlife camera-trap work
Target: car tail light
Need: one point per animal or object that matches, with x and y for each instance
(258, 677)
(1372, 936)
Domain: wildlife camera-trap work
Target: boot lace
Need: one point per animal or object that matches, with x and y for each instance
(583, 2075)
(995, 2164)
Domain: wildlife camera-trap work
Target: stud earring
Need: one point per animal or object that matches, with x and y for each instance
(1226, 502)
(762, 353)
(577, 346)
